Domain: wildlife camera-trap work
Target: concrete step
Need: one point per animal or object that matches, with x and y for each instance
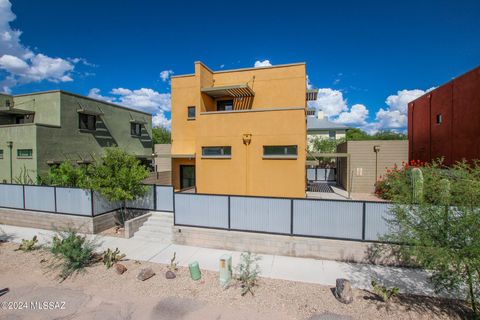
(150, 239)
(160, 221)
(156, 228)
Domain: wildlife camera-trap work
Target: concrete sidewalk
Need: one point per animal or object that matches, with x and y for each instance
(322, 272)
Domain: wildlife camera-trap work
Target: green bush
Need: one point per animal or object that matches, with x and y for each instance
(248, 271)
(383, 292)
(72, 252)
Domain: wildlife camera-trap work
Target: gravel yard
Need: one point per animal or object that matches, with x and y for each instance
(99, 293)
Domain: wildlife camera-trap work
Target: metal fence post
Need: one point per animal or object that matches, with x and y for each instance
(291, 216)
(173, 196)
(155, 197)
(91, 199)
(23, 189)
(55, 197)
(363, 220)
(228, 212)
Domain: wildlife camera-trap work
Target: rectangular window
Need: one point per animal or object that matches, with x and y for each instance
(439, 118)
(224, 105)
(1, 154)
(191, 113)
(24, 153)
(136, 129)
(332, 134)
(87, 121)
(281, 152)
(217, 152)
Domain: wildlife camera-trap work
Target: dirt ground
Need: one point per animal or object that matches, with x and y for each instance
(99, 293)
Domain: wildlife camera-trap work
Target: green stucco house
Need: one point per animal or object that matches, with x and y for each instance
(41, 129)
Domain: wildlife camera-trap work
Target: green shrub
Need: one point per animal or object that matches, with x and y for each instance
(72, 252)
(383, 292)
(28, 245)
(111, 257)
(248, 271)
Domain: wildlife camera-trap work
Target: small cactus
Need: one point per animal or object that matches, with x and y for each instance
(417, 185)
(111, 257)
(173, 264)
(28, 245)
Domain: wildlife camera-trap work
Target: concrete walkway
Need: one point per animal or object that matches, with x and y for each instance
(323, 272)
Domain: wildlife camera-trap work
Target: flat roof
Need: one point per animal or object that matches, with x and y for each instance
(84, 97)
(242, 69)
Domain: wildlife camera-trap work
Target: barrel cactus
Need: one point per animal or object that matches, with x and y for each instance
(416, 176)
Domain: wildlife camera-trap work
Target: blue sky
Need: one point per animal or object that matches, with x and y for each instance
(368, 58)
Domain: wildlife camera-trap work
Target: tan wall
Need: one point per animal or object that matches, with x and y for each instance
(363, 163)
(276, 87)
(163, 160)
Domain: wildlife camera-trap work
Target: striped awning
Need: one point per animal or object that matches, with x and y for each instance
(312, 94)
(237, 91)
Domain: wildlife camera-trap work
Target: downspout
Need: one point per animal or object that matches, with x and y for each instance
(10, 146)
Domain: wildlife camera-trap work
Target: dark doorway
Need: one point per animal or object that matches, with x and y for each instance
(187, 176)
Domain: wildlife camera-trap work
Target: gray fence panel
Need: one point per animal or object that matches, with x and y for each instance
(375, 223)
(145, 202)
(321, 174)
(330, 174)
(260, 214)
(201, 210)
(74, 201)
(164, 198)
(102, 205)
(337, 219)
(11, 196)
(311, 174)
(40, 198)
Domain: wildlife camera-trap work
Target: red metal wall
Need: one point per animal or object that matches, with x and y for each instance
(458, 136)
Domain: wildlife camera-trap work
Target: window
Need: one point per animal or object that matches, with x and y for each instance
(225, 105)
(289, 152)
(1, 154)
(332, 134)
(216, 152)
(439, 118)
(191, 113)
(136, 129)
(87, 121)
(24, 153)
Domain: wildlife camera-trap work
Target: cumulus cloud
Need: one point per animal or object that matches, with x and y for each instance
(165, 75)
(21, 64)
(357, 115)
(392, 116)
(143, 99)
(264, 63)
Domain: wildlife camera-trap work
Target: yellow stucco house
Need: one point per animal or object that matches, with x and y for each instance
(240, 132)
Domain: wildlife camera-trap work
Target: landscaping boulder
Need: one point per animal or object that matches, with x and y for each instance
(120, 268)
(343, 291)
(145, 273)
(170, 275)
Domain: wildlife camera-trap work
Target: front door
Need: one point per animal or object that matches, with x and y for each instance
(187, 176)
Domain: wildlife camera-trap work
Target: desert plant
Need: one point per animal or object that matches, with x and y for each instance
(383, 292)
(417, 184)
(247, 272)
(72, 253)
(173, 263)
(28, 245)
(111, 257)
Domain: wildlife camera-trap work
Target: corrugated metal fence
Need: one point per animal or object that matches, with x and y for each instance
(321, 174)
(335, 219)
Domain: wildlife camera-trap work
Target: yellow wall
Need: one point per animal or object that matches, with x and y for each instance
(246, 172)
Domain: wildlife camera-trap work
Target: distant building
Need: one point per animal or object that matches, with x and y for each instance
(445, 122)
(42, 129)
(318, 127)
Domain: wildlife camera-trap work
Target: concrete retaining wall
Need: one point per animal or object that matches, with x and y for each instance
(272, 244)
(52, 221)
(132, 226)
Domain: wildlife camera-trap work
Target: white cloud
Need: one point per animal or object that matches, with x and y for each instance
(165, 75)
(330, 101)
(21, 64)
(264, 63)
(144, 99)
(357, 115)
(400, 100)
